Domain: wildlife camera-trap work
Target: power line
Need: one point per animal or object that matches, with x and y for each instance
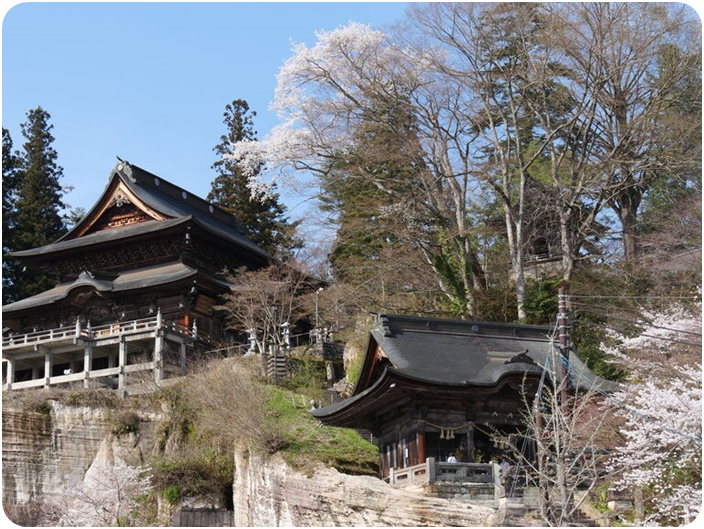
(631, 297)
(661, 338)
(630, 410)
(636, 322)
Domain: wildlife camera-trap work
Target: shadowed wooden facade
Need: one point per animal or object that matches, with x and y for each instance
(431, 388)
(136, 281)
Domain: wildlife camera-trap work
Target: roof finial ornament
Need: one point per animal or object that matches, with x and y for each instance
(123, 166)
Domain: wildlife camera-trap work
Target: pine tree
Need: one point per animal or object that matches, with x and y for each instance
(262, 217)
(37, 218)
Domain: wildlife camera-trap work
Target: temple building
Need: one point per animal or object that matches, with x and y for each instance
(137, 279)
(437, 390)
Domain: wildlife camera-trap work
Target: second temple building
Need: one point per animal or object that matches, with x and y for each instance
(444, 390)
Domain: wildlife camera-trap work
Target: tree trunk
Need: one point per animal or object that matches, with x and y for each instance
(626, 207)
(568, 252)
(514, 228)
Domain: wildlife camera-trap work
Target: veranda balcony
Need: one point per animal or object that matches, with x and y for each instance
(122, 355)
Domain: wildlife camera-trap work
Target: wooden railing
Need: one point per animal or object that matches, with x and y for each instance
(86, 375)
(87, 332)
(37, 337)
(434, 471)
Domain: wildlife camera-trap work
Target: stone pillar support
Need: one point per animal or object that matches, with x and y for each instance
(121, 363)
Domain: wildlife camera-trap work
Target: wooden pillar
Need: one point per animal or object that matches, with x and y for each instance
(420, 442)
(158, 349)
(10, 373)
(399, 449)
(471, 454)
(87, 363)
(47, 369)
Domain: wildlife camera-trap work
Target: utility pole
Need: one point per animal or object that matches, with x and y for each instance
(560, 462)
(563, 333)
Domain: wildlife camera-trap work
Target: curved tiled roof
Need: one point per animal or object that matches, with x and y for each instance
(449, 355)
(133, 279)
(173, 203)
(99, 237)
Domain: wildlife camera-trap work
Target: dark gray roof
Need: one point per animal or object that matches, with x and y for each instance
(170, 200)
(455, 353)
(460, 352)
(98, 237)
(133, 279)
(450, 352)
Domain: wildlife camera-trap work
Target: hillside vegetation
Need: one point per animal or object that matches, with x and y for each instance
(227, 403)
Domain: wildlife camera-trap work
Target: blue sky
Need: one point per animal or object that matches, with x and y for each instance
(148, 82)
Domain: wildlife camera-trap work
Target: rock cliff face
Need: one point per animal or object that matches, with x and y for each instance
(41, 449)
(269, 493)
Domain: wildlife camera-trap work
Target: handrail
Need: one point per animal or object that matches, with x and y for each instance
(40, 336)
(432, 470)
(87, 332)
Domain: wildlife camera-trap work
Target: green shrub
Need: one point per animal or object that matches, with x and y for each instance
(195, 471)
(307, 373)
(172, 494)
(307, 443)
(354, 370)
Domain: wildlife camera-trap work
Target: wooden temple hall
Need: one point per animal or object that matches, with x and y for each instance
(136, 282)
(431, 390)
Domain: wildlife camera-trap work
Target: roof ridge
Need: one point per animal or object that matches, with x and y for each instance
(154, 181)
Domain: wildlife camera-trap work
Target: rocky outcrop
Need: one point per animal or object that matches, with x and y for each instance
(40, 450)
(269, 493)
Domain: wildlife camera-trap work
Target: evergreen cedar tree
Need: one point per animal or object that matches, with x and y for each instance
(261, 216)
(10, 169)
(32, 203)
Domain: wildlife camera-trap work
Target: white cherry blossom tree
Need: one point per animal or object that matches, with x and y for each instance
(662, 408)
(106, 496)
(323, 98)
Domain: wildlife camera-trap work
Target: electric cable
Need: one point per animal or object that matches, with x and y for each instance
(637, 322)
(630, 410)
